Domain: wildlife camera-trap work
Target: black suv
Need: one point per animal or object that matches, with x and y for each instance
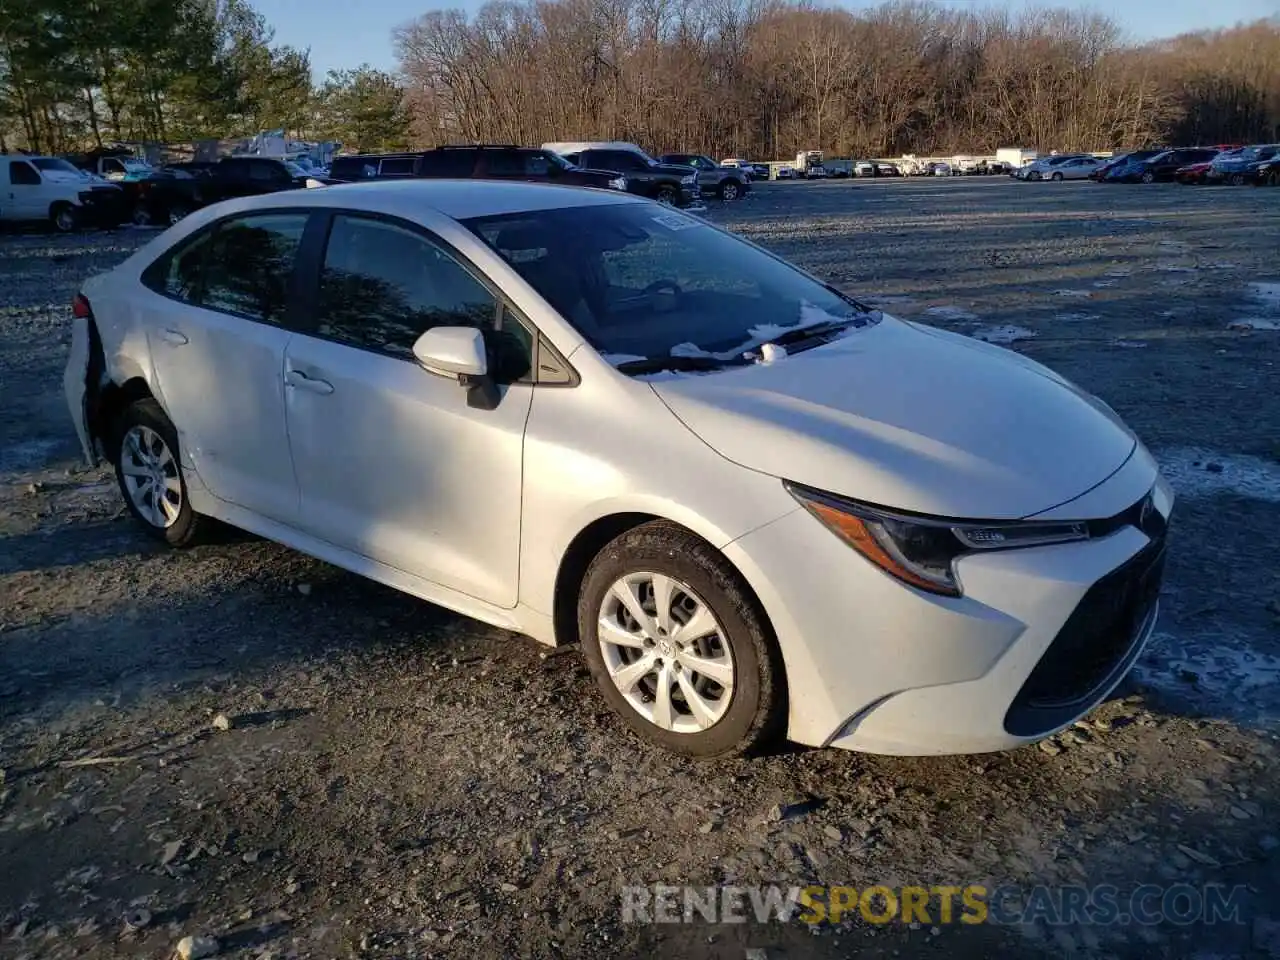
(676, 184)
(488, 162)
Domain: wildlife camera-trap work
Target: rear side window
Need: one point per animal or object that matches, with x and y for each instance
(397, 167)
(23, 173)
(448, 163)
(249, 263)
(353, 168)
(178, 274)
(504, 163)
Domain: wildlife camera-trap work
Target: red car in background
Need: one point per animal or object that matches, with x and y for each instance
(1193, 173)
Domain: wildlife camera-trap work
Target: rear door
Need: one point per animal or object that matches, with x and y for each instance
(217, 323)
(393, 462)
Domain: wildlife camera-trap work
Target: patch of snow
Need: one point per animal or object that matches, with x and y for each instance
(1004, 333)
(954, 314)
(1119, 273)
(1131, 344)
(617, 358)
(687, 349)
(1081, 294)
(1199, 472)
(772, 353)
(1267, 295)
(886, 301)
(1175, 268)
(1102, 284)
(1076, 317)
(1216, 666)
(1173, 243)
(1223, 265)
(1255, 323)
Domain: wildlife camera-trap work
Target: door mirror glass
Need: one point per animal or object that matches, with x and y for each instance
(452, 351)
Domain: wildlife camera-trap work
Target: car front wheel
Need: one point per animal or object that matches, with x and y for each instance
(1148, 177)
(64, 217)
(667, 194)
(678, 645)
(730, 191)
(149, 474)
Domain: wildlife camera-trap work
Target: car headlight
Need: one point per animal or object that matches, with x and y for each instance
(690, 180)
(921, 551)
(618, 183)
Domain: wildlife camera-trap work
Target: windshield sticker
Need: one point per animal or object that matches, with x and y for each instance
(674, 221)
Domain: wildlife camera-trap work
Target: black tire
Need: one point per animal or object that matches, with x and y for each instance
(667, 194)
(149, 415)
(1148, 177)
(756, 716)
(730, 190)
(141, 215)
(1057, 177)
(1237, 179)
(63, 217)
(176, 211)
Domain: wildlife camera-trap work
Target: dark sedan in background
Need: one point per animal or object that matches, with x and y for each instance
(1161, 167)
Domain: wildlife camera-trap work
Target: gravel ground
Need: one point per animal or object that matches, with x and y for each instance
(397, 781)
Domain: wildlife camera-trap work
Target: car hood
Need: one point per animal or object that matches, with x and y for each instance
(674, 169)
(909, 417)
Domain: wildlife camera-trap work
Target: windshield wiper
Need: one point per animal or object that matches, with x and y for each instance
(657, 364)
(813, 330)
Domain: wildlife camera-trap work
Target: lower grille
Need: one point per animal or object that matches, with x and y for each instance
(1098, 638)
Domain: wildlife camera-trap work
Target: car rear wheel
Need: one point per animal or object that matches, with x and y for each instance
(63, 216)
(1148, 177)
(730, 191)
(149, 475)
(1237, 179)
(678, 645)
(1057, 177)
(141, 216)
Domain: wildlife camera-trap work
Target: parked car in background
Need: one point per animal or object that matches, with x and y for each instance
(1235, 166)
(114, 165)
(1120, 159)
(669, 183)
(1264, 173)
(1073, 168)
(1161, 167)
(941, 169)
(52, 190)
(1193, 173)
(839, 168)
(473, 161)
(746, 166)
(167, 199)
(963, 554)
(727, 183)
(997, 167)
(1044, 167)
(786, 172)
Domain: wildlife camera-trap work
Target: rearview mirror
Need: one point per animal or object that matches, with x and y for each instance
(452, 351)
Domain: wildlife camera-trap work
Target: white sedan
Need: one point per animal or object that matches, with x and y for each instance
(1074, 168)
(760, 507)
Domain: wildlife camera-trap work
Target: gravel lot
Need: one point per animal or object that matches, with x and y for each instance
(400, 782)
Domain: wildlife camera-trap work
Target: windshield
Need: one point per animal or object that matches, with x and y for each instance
(640, 282)
(557, 161)
(52, 164)
(294, 169)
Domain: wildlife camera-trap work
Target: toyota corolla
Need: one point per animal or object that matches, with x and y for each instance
(760, 507)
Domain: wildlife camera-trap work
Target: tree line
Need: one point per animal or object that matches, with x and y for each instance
(755, 78)
(78, 74)
(766, 78)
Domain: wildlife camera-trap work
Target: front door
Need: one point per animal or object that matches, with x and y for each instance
(217, 336)
(26, 197)
(392, 462)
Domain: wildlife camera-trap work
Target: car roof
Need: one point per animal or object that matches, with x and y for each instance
(578, 146)
(458, 199)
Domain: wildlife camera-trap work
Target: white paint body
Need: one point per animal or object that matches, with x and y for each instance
(474, 509)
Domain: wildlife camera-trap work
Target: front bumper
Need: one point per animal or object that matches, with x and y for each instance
(875, 666)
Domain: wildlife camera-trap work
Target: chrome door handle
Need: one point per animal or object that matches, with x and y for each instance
(296, 378)
(174, 337)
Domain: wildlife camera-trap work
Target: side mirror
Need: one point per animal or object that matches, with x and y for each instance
(452, 352)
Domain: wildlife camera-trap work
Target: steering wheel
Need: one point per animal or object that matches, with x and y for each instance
(659, 285)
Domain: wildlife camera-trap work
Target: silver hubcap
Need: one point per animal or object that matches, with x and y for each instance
(666, 652)
(730, 192)
(66, 220)
(151, 476)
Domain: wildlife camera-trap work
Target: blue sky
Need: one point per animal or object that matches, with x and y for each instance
(346, 33)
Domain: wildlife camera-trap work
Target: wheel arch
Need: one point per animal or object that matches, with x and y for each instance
(111, 401)
(586, 546)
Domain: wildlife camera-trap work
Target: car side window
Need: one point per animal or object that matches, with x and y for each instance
(178, 274)
(264, 171)
(448, 163)
(536, 165)
(397, 167)
(382, 286)
(503, 163)
(249, 265)
(23, 174)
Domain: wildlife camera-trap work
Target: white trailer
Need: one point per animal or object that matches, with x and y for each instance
(1016, 156)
